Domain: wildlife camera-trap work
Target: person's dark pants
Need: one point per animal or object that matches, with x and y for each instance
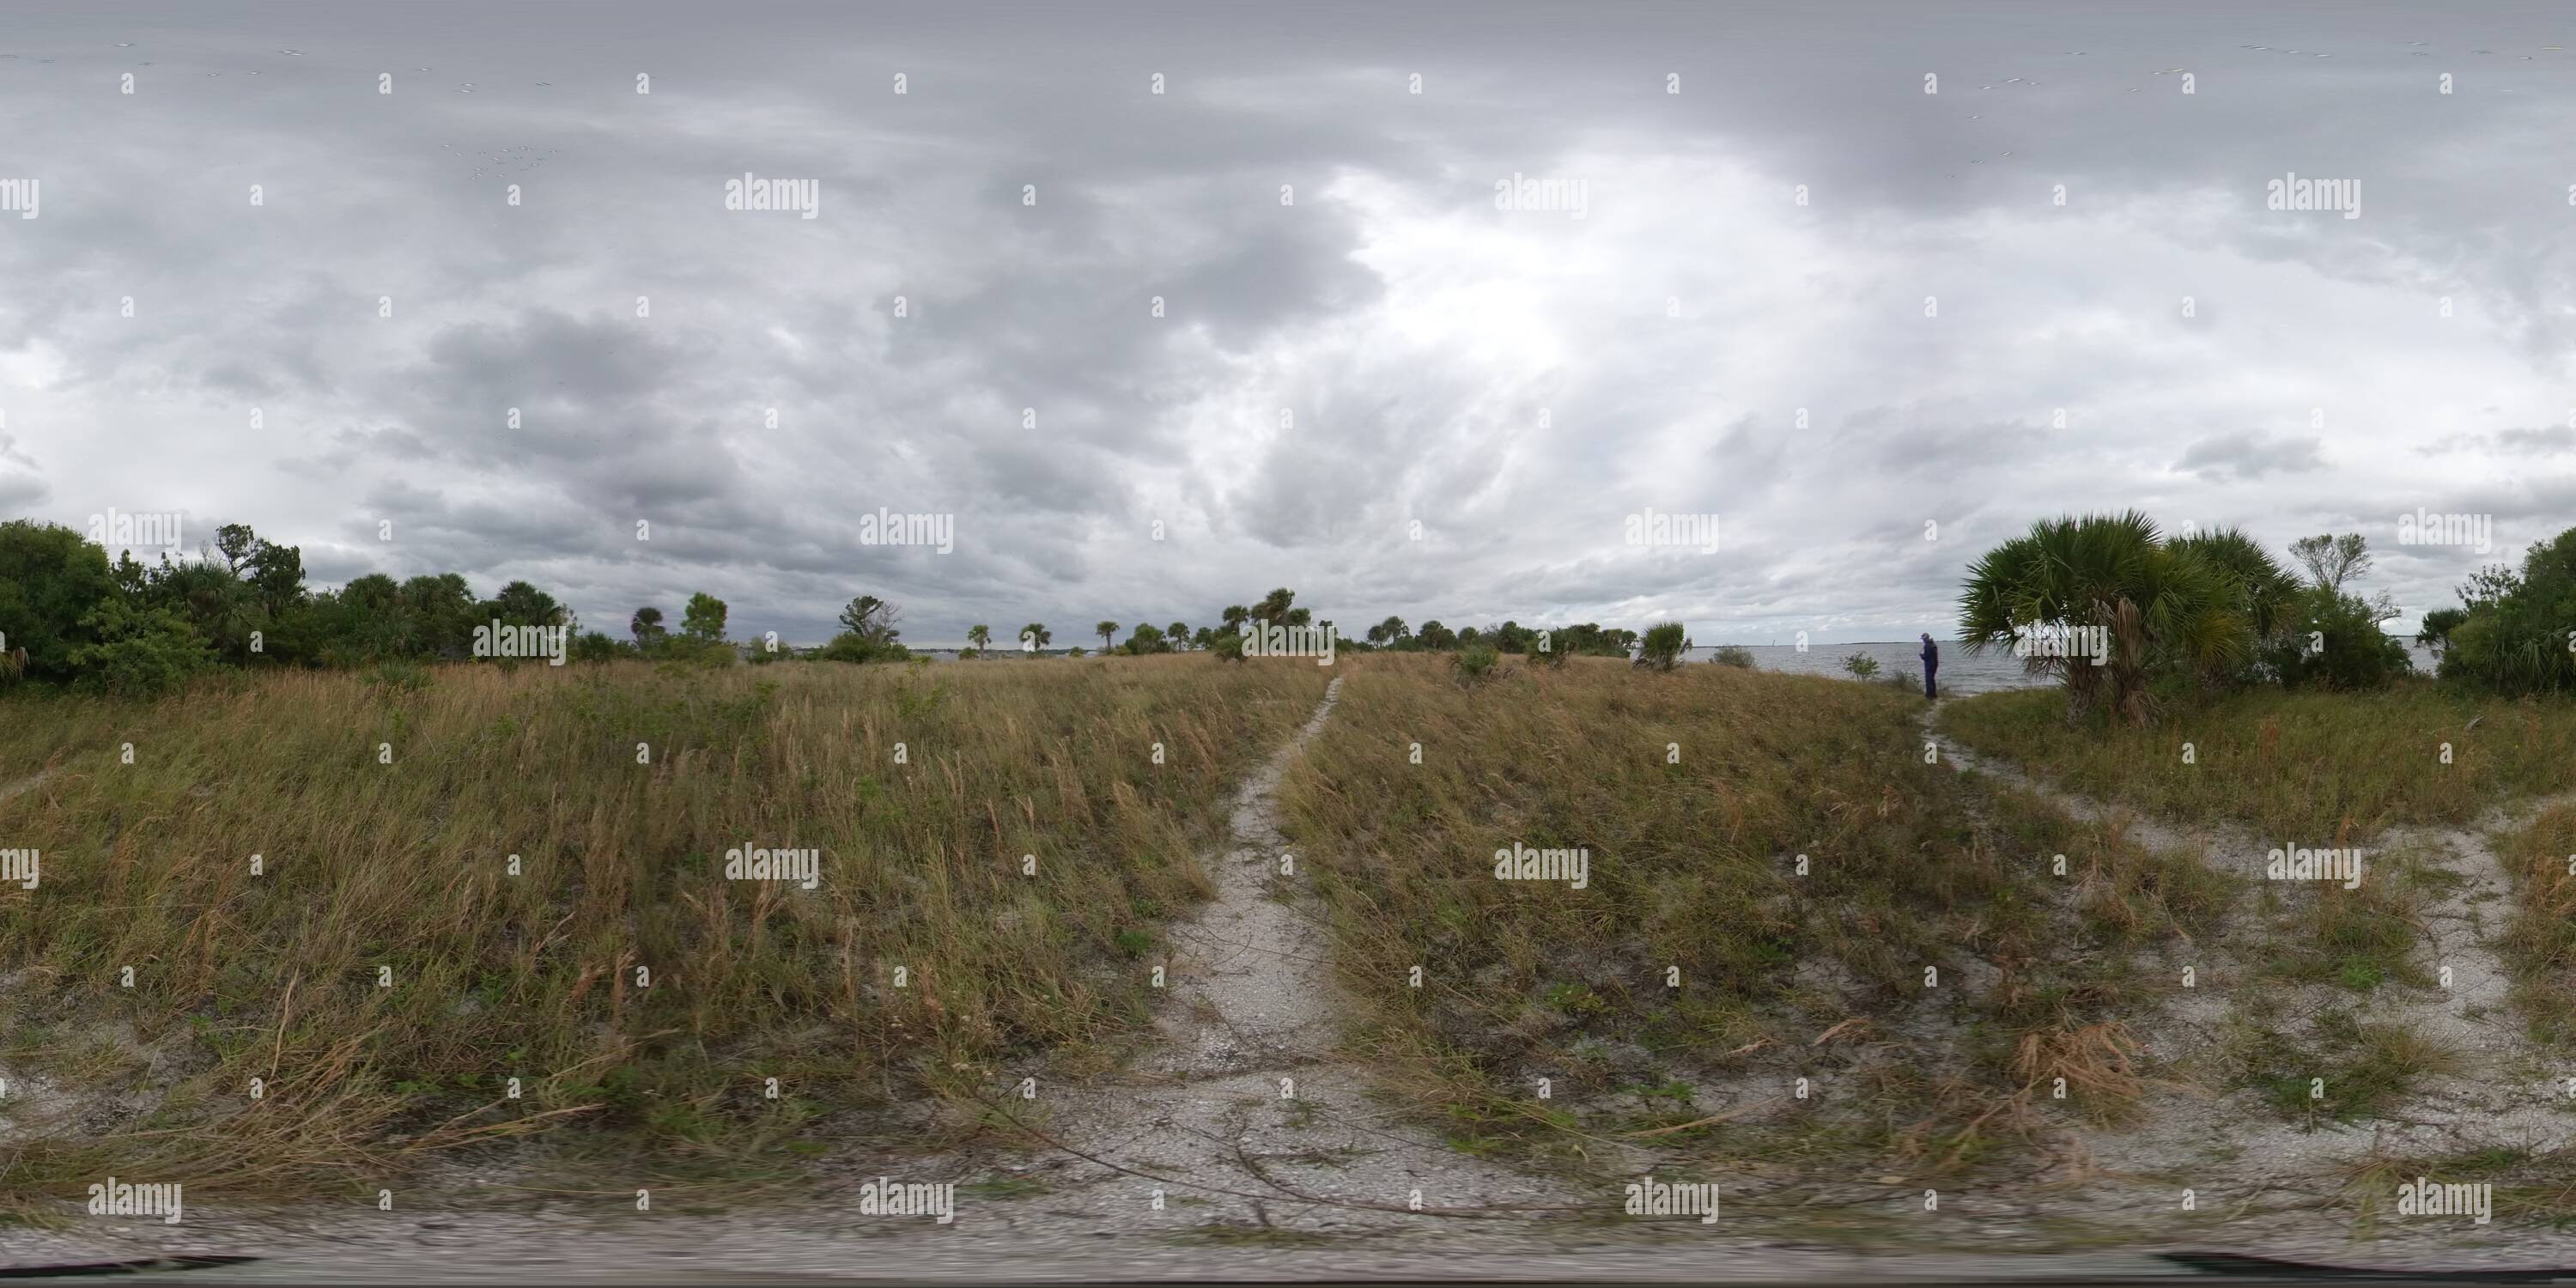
(1927, 682)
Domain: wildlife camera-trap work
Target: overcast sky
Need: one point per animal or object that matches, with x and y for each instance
(1381, 347)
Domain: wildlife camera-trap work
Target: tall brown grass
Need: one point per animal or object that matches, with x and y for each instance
(635, 991)
(1697, 794)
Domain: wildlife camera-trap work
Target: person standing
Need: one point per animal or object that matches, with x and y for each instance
(1931, 663)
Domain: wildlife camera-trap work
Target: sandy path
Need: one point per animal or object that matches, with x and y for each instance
(1245, 1116)
(2502, 1094)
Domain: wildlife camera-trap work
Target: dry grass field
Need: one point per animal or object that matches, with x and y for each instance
(467, 875)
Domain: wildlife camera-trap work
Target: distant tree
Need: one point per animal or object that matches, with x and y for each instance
(1273, 607)
(277, 575)
(1148, 639)
(2489, 587)
(647, 628)
(1234, 617)
(2435, 630)
(1299, 618)
(521, 604)
(237, 543)
(1205, 638)
(1107, 631)
(704, 619)
(435, 618)
(1035, 636)
(872, 619)
(1177, 634)
(1433, 635)
(1661, 647)
(2331, 560)
(981, 637)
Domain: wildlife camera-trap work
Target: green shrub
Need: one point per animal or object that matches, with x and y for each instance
(1662, 646)
(1734, 655)
(2336, 644)
(1861, 665)
(596, 646)
(1550, 649)
(140, 653)
(2520, 634)
(1475, 663)
(850, 646)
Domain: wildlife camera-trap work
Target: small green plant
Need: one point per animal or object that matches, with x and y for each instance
(1861, 665)
(1475, 663)
(1735, 655)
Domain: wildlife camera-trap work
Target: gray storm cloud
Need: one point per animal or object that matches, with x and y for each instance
(1273, 313)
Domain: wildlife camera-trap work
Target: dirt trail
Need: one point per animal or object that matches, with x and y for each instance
(2501, 1095)
(1244, 1116)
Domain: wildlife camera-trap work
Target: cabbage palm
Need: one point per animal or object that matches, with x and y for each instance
(2158, 605)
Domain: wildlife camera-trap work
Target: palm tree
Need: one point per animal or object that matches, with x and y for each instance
(2260, 591)
(981, 637)
(1035, 636)
(1178, 634)
(2154, 604)
(1234, 616)
(1107, 631)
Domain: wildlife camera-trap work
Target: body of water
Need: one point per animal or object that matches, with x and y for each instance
(1960, 672)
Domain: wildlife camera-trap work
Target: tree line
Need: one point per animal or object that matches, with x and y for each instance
(2168, 616)
(68, 615)
(71, 616)
(1280, 608)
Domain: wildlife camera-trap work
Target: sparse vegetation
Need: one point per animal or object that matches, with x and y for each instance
(1769, 841)
(2306, 764)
